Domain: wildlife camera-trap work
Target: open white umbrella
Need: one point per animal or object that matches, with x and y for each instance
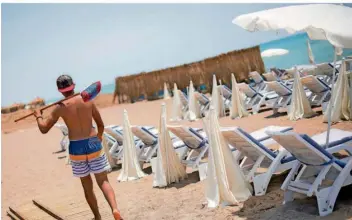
(300, 106)
(169, 168)
(226, 184)
(340, 99)
(320, 21)
(274, 52)
(166, 92)
(216, 99)
(238, 109)
(131, 169)
(177, 114)
(193, 106)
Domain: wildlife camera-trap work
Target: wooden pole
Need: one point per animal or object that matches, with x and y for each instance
(47, 210)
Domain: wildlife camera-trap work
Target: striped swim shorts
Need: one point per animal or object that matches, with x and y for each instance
(87, 156)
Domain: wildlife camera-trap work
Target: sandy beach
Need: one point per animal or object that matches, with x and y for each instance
(31, 169)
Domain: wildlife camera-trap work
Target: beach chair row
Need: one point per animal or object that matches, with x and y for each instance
(313, 168)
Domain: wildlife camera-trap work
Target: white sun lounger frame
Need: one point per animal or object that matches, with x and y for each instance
(254, 147)
(317, 164)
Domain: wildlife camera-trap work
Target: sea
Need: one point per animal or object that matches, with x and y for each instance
(297, 54)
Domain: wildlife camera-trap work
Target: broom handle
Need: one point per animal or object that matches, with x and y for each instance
(48, 106)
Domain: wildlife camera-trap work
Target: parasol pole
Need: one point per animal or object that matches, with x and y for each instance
(330, 107)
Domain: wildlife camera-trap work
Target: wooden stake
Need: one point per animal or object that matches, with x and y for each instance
(17, 214)
(47, 210)
(12, 215)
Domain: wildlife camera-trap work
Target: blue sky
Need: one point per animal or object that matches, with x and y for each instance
(101, 41)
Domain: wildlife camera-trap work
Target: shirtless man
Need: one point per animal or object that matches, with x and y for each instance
(86, 153)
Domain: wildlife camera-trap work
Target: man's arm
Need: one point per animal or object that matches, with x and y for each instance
(98, 121)
(45, 125)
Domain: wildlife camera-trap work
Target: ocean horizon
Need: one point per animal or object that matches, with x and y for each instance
(296, 44)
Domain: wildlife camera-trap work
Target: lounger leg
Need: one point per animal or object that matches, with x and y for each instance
(318, 180)
(113, 149)
(336, 187)
(262, 181)
(200, 156)
(290, 177)
(250, 175)
(288, 196)
(63, 143)
(236, 155)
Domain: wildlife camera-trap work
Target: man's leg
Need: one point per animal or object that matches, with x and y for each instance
(108, 191)
(87, 184)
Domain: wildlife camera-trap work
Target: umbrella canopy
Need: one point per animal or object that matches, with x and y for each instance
(273, 52)
(131, 169)
(237, 109)
(166, 92)
(300, 106)
(168, 166)
(176, 105)
(193, 106)
(320, 21)
(226, 184)
(340, 99)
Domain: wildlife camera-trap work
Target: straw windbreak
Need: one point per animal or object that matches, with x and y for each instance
(239, 62)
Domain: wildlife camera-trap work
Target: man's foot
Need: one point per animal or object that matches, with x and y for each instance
(117, 215)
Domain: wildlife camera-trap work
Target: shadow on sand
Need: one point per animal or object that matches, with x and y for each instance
(270, 205)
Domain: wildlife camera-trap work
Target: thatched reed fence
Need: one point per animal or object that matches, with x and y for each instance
(239, 62)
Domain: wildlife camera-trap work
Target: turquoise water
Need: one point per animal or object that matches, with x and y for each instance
(298, 55)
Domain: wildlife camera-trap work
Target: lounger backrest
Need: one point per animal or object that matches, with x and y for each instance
(201, 98)
(279, 88)
(256, 77)
(305, 149)
(115, 134)
(271, 76)
(183, 97)
(189, 136)
(247, 90)
(314, 84)
(145, 135)
(246, 144)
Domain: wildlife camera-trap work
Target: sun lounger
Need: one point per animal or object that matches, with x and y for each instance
(184, 101)
(115, 140)
(203, 101)
(149, 138)
(195, 140)
(321, 173)
(254, 147)
(284, 94)
(271, 76)
(64, 141)
(259, 81)
(320, 91)
(254, 99)
(226, 92)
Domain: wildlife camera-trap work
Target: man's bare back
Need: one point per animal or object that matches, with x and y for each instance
(78, 116)
(85, 150)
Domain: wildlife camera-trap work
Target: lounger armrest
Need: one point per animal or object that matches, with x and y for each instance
(347, 147)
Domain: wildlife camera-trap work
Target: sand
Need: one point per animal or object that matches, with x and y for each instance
(31, 169)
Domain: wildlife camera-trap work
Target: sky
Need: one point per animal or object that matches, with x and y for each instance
(94, 42)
